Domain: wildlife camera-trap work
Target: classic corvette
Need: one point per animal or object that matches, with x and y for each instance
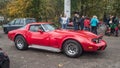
(45, 36)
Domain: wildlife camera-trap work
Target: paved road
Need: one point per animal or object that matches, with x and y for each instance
(33, 58)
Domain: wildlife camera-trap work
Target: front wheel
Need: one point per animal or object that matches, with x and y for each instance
(72, 49)
(20, 43)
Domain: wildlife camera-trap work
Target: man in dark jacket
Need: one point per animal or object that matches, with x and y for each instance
(81, 22)
(76, 21)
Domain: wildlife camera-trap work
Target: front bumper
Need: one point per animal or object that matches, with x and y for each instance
(96, 47)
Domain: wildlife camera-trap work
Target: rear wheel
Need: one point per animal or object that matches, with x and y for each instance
(72, 49)
(20, 43)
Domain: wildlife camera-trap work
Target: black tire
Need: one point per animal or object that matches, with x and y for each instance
(5, 30)
(5, 64)
(72, 48)
(21, 43)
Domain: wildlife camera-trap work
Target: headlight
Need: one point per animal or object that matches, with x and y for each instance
(95, 40)
(98, 39)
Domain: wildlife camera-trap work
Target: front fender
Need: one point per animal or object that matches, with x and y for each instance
(81, 40)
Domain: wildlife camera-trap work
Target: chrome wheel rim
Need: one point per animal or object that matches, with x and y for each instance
(20, 43)
(72, 49)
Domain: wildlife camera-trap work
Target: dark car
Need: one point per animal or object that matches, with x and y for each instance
(4, 60)
(17, 23)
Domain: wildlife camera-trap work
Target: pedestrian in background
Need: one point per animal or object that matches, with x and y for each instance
(94, 23)
(81, 22)
(116, 23)
(116, 31)
(111, 25)
(76, 21)
(64, 21)
(87, 24)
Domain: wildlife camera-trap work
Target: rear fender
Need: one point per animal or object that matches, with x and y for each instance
(22, 36)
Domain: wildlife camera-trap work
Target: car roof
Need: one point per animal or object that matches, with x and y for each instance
(36, 23)
(40, 23)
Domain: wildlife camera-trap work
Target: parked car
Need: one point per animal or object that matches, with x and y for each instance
(45, 36)
(17, 23)
(4, 60)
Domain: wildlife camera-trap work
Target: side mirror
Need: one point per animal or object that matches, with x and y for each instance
(40, 31)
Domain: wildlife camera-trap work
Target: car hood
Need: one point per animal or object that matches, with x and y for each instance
(85, 34)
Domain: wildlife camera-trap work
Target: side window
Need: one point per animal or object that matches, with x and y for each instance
(17, 22)
(41, 28)
(34, 28)
(22, 22)
(12, 22)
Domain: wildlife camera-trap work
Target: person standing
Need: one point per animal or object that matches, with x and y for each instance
(64, 22)
(116, 31)
(94, 23)
(87, 24)
(76, 21)
(81, 22)
(116, 22)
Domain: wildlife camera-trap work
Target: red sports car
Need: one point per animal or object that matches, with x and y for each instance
(45, 36)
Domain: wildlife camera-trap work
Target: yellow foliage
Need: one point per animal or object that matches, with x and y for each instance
(18, 7)
(31, 8)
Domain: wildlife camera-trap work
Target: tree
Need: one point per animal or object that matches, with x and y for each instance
(116, 7)
(51, 9)
(18, 8)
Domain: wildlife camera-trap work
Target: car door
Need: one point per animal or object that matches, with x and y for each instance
(38, 38)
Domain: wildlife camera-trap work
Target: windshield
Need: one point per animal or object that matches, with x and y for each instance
(48, 27)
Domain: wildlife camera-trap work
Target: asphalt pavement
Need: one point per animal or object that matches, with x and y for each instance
(35, 58)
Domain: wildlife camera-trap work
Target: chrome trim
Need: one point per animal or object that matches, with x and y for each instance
(48, 48)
